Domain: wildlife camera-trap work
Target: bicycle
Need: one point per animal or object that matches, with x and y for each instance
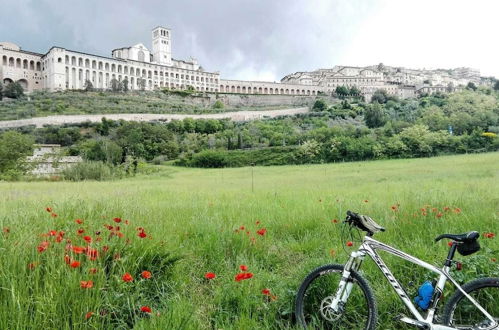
(322, 298)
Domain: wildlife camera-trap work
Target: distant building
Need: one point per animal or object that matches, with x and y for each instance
(47, 159)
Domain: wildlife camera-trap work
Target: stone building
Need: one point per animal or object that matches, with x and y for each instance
(47, 159)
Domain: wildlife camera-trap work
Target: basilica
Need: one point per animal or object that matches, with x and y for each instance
(148, 69)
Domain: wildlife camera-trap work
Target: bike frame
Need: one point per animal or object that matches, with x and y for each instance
(369, 247)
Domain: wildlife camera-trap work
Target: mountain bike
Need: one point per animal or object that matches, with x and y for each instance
(338, 297)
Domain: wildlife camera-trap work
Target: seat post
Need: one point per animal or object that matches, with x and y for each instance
(450, 256)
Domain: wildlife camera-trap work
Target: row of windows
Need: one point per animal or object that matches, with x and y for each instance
(19, 63)
(265, 90)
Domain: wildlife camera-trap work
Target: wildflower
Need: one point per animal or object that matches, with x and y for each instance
(86, 284)
(450, 243)
(6, 230)
(266, 292)
(67, 259)
(439, 215)
(489, 235)
(88, 239)
(146, 274)
(261, 232)
(446, 208)
(75, 264)
(43, 246)
(349, 243)
(52, 232)
(88, 315)
(80, 231)
(117, 220)
(457, 210)
(493, 259)
(92, 270)
(332, 252)
(394, 208)
(146, 309)
(366, 201)
(127, 222)
(79, 221)
(334, 221)
(127, 277)
(243, 276)
(257, 222)
(48, 209)
(434, 209)
(105, 248)
(32, 265)
(53, 215)
(241, 228)
(92, 254)
(78, 249)
(142, 234)
(243, 268)
(210, 276)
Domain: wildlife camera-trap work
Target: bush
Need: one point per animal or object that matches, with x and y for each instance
(218, 105)
(92, 171)
(13, 90)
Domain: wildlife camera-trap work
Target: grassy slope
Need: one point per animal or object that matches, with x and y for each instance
(192, 213)
(73, 102)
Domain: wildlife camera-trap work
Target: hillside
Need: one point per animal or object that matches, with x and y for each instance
(193, 220)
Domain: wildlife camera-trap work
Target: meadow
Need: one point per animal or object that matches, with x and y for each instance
(64, 264)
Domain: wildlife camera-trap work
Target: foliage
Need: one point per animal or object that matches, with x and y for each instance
(471, 85)
(13, 90)
(88, 86)
(1, 91)
(14, 148)
(319, 105)
(374, 115)
(218, 105)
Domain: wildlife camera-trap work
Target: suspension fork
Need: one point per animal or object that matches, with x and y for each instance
(346, 282)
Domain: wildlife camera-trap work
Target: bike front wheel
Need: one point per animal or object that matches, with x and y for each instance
(461, 313)
(312, 306)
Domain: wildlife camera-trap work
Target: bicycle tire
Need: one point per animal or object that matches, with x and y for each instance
(459, 312)
(345, 320)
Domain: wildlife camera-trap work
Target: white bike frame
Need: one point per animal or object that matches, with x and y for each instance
(369, 247)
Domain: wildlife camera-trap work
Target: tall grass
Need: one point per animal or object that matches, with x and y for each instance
(193, 220)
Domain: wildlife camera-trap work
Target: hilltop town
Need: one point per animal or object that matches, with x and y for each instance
(140, 68)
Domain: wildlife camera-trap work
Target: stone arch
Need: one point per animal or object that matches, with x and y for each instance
(113, 68)
(94, 64)
(59, 60)
(7, 81)
(67, 60)
(106, 66)
(271, 91)
(238, 89)
(23, 83)
(100, 65)
(25, 64)
(32, 65)
(119, 68)
(73, 60)
(4, 60)
(259, 90)
(287, 91)
(11, 61)
(18, 63)
(233, 89)
(149, 74)
(38, 66)
(137, 72)
(244, 89)
(80, 62)
(249, 89)
(144, 73)
(87, 63)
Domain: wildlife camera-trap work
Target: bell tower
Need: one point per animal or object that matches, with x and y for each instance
(162, 45)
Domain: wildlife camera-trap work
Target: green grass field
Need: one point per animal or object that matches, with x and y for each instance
(190, 218)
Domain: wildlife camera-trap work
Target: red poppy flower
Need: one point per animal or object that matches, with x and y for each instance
(117, 220)
(52, 232)
(48, 209)
(241, 228)
(127, 222)
(89, 315)
(79, 221)
(489, 235)
(109, 227)
(6, 230)
(457, 210)
(43, 246)
(446, 208)
(243, 276)
(75, 264)
(146, 309)
(210, 276)
(243, 268)
(92, 254)
(67, 259)
(257, 222)
(366, 201)
(493, 259)
(261, 232)
(86, 284)
(450, 243)
(88, 239)
(32, 265)
(334, 221)
(80, 231)
(127, 277)
(266, 292)
(105, 248)
(142, 234)
(394, 208)
(92, 270)
(120, 234)
(349, 243)
(146, 274)
(78, 249)
(439, 215)
(59, 239)
(53, 215)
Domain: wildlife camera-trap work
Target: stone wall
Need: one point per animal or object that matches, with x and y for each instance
(234, 100)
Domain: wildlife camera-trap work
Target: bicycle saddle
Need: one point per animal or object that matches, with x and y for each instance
(466, 237)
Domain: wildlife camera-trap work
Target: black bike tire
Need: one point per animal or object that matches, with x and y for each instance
(480, 283)
(363, 284)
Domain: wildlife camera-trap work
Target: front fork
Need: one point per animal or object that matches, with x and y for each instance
(346, 282)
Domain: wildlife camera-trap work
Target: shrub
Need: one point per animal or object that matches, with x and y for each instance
(218, 105)
(92, 171)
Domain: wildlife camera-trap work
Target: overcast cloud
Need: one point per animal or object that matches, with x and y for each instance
(267, 39)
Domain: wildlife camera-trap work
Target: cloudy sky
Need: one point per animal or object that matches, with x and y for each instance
(267, 39)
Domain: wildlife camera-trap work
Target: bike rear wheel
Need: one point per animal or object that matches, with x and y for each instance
(461, 313)
(317, 292)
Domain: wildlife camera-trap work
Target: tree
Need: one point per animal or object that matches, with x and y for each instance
(342, 91)
(471, 85)
(115, 85)
(374, 115)
(380, 96)
(88, 87)
(381, 67)
(13, 90)
(218, 105)
(124, 83)
(320, 105)
(14, 148)
(141, 82)
(354, 91)
(496, 85)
